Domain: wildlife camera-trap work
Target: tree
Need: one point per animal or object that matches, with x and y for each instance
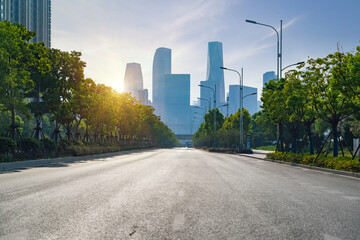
(15, 80)
(327, 79)
(263, 132)
(273, 99)
(299, 107)
(208, 125)
(39, 65)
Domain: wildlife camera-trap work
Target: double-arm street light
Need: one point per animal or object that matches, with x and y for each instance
(279, 45)
(254, 93)
(292, 65)
(241, 126)
(279, 65)
(214, 91)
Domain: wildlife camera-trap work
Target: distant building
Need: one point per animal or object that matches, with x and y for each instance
(133, 77)
(171, 94)
(161, 67)
(250, 102)
(268, 76)
(207, 95)
(133, 82)
(35, 15)
(177, 103)
(214, 76)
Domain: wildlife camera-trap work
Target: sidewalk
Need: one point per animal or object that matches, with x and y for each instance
(258, 154)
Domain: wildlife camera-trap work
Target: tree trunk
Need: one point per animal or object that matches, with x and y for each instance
(311, 141)
(13, 124)
(37, 114)
(294, 144)
(281, 137)
(336, 143)
(86, 137)
(56, 131)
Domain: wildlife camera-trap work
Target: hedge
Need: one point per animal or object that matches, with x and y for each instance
(338, 163)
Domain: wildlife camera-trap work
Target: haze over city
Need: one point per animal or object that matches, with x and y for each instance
(112, 33)
(80, 160)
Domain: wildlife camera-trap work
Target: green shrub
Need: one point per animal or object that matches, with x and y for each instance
(30, 145)
(50, 146)
(6, 157)
(339, 163)
(7, 145)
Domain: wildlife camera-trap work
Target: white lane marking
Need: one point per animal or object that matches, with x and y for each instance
(179, 221)
(351, 197)
(181, 193)
(328, 237)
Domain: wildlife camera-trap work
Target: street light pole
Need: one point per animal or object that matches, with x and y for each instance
(279, 70)
(279, 52)
(241, 110)
(249, 94)
(292, 65)
(241, 104)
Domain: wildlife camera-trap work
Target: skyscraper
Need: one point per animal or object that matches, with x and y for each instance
(250, 102)
(268, 76)
(133, 77)
(177, 103)
(161, 67)
(133, 82)
(35, 15)
(214, 74)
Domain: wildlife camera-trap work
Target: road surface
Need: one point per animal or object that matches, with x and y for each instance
(177, 194)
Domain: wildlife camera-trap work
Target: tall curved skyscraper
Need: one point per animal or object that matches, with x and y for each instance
(214, 74)
(133, 77)
(133, 82)
(161, 67)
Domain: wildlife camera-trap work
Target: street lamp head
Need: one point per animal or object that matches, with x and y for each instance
(223, 68)
(200, 85)
(250, 21)
(300, 63)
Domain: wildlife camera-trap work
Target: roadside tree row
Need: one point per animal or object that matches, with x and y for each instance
(38, 83)
(325, 92)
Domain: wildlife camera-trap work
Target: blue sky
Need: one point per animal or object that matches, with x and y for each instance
(111, 33)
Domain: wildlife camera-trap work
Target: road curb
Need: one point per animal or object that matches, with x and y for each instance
(338, 172)
(9, 166)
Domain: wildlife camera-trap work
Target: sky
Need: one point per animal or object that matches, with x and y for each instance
(112, 33)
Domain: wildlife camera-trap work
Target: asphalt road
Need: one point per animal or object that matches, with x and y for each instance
(177, 194)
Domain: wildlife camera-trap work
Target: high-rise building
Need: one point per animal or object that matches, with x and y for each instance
(268, 76)
(161, 67)
(214, 74)
(177, 103)
(133, 77)
(250, 102)
(207, 95)
(35, 15)
(133, 82)
(214, 77)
